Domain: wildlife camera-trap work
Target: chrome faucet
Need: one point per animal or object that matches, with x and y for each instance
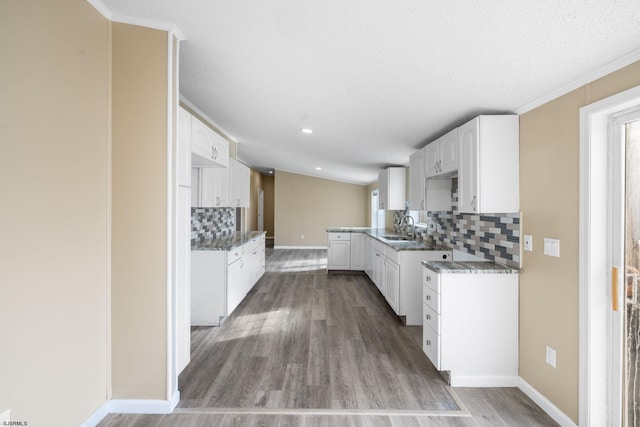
(413, 225)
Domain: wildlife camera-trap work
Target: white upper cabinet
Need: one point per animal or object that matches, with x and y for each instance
(214, 188)
(488, 172)
(209, 149)
(392, 194)
(239, 183)
(416, 181)
(427, 194)
(441, 155)
(184, 148)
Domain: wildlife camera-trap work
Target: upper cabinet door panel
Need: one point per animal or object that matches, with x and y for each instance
(209, 148)
(431, 159)
(449, 152)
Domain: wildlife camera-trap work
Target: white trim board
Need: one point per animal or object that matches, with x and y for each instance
(132, 406)
(116, 17)
(609, 68)
(545, 404)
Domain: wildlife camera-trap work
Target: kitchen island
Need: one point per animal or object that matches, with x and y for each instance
(223, 271)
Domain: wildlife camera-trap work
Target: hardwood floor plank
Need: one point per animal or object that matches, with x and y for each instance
(304, 340)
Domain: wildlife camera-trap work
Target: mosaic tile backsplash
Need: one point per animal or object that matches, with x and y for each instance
(211, 223)
(495, 238)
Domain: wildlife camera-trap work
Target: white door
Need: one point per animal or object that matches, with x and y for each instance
(625, 268)
(602, 297)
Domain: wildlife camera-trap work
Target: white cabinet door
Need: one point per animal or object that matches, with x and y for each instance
(368, 256)
(468, 166)
(235, 284)
(383, 189)
(392, 194)
(488, 171)
(392, 284)
(441, 155)
(239, 184)
(431, 159)
(184, 148)
(214, 187)
(416, 181)
(448, 146)
(339, 255)
(357, 251)
(209, 148)
(183, 278)
(378, 270)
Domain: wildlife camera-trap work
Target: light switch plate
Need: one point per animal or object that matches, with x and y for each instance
(552, 247)
(528, 242)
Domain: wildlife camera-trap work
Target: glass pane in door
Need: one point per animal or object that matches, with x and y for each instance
(632, 261)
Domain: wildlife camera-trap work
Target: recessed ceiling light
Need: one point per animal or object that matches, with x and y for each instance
(306, 130)
(318, 168)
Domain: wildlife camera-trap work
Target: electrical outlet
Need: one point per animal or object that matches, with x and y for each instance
(302, 237)
(528, 242)
(551, 357)
(5, 417)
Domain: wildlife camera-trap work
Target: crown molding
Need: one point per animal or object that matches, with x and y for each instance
(609, 68)
(148, 23)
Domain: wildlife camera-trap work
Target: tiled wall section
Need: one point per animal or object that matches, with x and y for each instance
(496, 238)
(210, 223)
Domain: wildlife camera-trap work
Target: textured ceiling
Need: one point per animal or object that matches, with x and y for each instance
(376, 80)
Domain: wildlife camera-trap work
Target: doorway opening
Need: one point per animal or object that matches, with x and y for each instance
(602, 255)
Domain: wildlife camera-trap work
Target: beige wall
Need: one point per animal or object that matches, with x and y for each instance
(139, 237)
(306, 206)
(54, 246)
(269, 199)
(549, 189)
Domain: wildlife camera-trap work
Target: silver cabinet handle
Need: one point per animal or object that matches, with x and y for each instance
(428, 342)
(428, 278)
(428, 297)
(428, 317)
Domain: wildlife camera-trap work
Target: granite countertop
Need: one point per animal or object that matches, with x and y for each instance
(225, 243)
(398, 245)
(469, 267)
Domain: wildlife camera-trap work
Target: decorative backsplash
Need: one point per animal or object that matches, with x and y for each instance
(210, 223)
(495, 238)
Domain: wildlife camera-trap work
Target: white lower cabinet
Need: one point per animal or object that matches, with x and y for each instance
(392, 284)
(357, 251)
(221, 279)
(339, 251)
(470, 327)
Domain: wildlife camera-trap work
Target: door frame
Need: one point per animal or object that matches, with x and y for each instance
(595, 319)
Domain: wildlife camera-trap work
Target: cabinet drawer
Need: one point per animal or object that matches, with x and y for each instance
(340, 236)
(431, 279)
(392, 254)
(235, 254)
(431, 298)
(431, 318)
(431, 345)
(378, 246)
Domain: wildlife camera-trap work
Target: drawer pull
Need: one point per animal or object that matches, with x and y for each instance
(428, 342)
(428, 297)
(428, 317)
(428, 278)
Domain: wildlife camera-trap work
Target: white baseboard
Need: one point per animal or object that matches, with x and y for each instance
(552, 410)
(132, 406)
(299, 247)
(97, 416)
(483, 381)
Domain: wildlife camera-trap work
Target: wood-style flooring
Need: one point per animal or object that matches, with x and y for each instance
(308, 348)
